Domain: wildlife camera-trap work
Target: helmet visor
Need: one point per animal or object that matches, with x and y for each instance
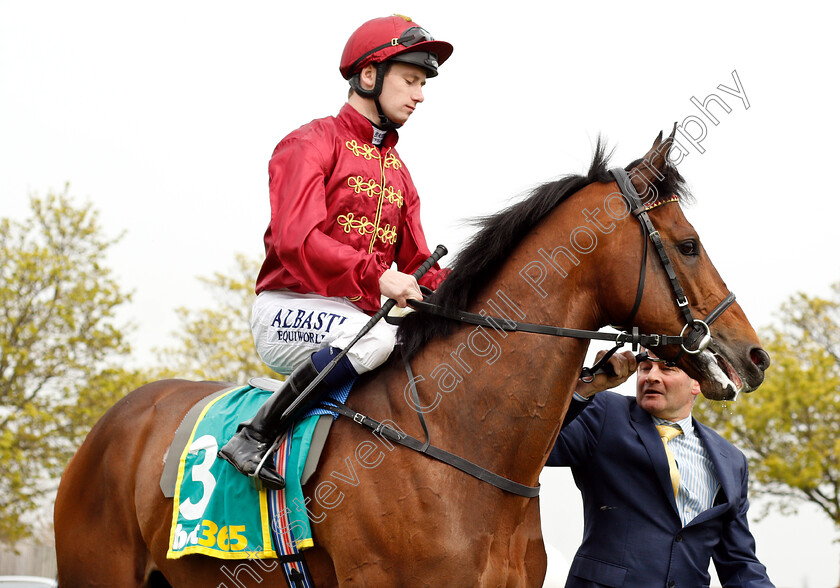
(425, 59)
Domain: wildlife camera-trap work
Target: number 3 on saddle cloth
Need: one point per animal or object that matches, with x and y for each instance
(217, 511)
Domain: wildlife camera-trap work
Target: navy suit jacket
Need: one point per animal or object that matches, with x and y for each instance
(633, 536)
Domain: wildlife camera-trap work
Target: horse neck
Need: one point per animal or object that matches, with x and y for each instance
(500, 397)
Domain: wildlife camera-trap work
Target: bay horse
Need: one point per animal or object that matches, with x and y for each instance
(568, 255)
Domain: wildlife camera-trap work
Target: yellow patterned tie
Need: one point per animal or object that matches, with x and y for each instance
(668, 432)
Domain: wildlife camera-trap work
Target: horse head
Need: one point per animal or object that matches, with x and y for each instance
(732, 359)
(572, 255)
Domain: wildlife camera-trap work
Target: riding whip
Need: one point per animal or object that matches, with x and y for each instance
(439, 252)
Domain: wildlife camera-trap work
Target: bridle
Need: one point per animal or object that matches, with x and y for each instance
(699, 335)
(693, 339)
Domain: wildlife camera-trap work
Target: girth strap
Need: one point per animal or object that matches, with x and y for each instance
(295, 578)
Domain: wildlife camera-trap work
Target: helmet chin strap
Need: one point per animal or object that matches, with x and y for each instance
(385, 123)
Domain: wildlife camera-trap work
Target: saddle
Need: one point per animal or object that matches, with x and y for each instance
(218, 512)
(179, 442)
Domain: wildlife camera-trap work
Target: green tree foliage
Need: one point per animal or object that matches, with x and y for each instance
(57, 335)
(216, 343)
(790, 427)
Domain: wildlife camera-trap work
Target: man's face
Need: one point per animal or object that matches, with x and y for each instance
(665, 392)
(402, 91)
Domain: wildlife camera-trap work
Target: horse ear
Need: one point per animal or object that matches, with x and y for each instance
(651, 168)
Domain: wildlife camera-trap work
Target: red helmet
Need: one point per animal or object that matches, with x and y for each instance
(394, 38)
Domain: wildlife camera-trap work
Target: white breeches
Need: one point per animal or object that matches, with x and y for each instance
(289, 327)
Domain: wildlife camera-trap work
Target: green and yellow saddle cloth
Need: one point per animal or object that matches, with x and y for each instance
(217, 511)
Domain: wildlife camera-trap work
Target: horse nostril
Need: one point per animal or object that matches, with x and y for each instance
(760, 358)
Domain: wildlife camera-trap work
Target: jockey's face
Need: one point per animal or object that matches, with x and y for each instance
(402, 91)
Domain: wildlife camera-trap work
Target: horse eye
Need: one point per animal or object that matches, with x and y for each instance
(689, 247)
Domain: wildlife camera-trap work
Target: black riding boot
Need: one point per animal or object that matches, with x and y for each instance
(253, 439)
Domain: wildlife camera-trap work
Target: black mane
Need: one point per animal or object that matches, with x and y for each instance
(499, 233)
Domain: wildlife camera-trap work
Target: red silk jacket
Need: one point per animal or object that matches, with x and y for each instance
(342, 211)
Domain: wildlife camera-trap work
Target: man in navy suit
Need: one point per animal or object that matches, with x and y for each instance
(644, 528)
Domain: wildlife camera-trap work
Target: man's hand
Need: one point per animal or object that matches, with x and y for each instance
(399, 286)
(623, 364)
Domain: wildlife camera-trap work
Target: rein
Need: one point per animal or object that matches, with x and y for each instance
(699, 335)
(696, 341)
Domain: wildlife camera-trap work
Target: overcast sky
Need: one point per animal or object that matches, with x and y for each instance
(164, 115)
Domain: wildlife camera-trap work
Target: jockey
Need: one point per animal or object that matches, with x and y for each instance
(343, 210)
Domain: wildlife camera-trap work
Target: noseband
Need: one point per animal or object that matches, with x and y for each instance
(693, 339)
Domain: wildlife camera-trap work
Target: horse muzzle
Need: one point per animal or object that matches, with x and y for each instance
(726, 373)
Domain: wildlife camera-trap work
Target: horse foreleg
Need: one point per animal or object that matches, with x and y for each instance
(530, 532)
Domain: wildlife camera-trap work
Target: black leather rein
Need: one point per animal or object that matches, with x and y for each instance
(699, 335)
(697, 339)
